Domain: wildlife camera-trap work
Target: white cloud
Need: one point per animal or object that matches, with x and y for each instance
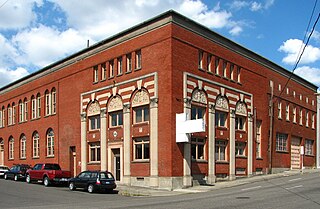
(237, 5)
(8, 76)
(19, 12)
(255, 6)
(292, 49)
(236, 30)
(43, 45)
(310, 74)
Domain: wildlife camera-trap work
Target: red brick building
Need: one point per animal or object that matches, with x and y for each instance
(113, 106)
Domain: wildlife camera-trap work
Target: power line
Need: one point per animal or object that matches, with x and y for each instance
(3, 4)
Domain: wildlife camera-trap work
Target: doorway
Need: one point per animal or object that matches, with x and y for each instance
(1, 152)
(295, 153)
(73, 161)
(116, 164)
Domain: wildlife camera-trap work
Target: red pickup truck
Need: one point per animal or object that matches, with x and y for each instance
(48, 173)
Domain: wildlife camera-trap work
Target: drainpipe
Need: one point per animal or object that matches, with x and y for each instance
(271, 128)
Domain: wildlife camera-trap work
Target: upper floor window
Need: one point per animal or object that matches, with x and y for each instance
(111, 69)
(294, 114)
(95, 74)
(94, 122)
(53, 101)
(287, 112)
(216, 65)
(312, 121)
(94, 116)
(238, 74)
(38, 105)
(240, 148)
(279, 110)
(138, 59)
(197, 112)
(222, 109)
(300, 116)
(116, 118)
(48, 103)
(232, 71)
(1, 117)
(197, 149)
(140, 106)
(200, 60)
(33, 107)
(11, 148)
(221, 119)
(281, 142)
(307, 118)
(9, 115)
(23, 144)
(35, 145)
(25, 109)
(50, 143)
(224, 69)
(119, 65)
(240, 123)
(103, 71)
(209, 58)
(129, 62)
(141, 114)
(21, 111)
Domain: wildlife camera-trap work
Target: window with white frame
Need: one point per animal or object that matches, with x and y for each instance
(35, 145)
(220, 150)
(21, 110)
(103, 71)
(197, 112)
(53, 101)
(240, 123)
(116, 118)
(120, 65)
(312, 121)
(258, 139)
(94, 152)
(25, 109)
(224, 69)
(111, 69)
(221, 118)
(94, 122)
(48, 103)
(50, 143)
(198, 149)
(200, 60)
(95, 74)
(1, 117)
(9, 115)
(33, 107)
(279, 110)
(240, 148)
(138, 59)
(129, 62)
(287, 112)
(294, 114)
(216, 64)
(232, 71)
(281, 142)
(300, 116)
(13, 113)
(209, 57)
(11, 148)
(308, 147)
(141, 148)
(23, 143)
(238, 74)
(307, 118)
(141, 114)
(38, 105)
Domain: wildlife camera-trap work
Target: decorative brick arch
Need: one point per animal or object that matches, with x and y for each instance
(199, 96)
(93, 108)
(222, 103)
(115, 103)
(140, 97)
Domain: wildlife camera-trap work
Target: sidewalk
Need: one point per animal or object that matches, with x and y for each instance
(146, 191)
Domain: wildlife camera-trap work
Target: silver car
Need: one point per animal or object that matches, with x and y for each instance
(3, 169)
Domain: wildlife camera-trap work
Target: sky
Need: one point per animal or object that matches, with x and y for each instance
(37, 33)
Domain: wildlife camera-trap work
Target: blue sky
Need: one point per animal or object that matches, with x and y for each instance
(36, 33)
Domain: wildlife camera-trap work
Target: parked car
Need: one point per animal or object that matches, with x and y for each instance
(3, 169)
(48, 173)
(93, 181)
(17, 172)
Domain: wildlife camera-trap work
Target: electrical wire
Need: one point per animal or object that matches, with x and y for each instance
(3, 4)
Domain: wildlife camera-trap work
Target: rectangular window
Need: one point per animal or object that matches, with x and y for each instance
(224, 69)
(21, 112)
(200, 61)
(116, 119)
(95, 74)
(120, 66)
(9, 116)
(141, 114)
(111, 69)
(216, 65)
(312, 121)
(129, 63)
(94, 122)
(281, 142)
(240, 148)
(300, 117)
(295, 115)
(308, 147)
(221, 118)
(209, 57)
(54, 101)
(279, 110)
(197, 149)
(232, 71)
(13, 114)
(258, 140)
(138, 59)
(220, 150)
(1, 118)
(11, 149)
(48, 106)
(197, 112)
(141, 148)
(25, 110)
(33, 108)
(240, 123)
(287, 112)
(38, 106)
(23, 149)
(94, 149)
(238, 75)
(307, 118)
(36, 146)
(103, 71)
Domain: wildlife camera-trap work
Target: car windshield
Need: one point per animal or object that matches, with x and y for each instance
(106, 176)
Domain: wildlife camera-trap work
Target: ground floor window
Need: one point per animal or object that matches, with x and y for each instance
(240, 149)
(308, 147)
(281, 142)
(197, 149)
(94, 152)
(220, 150)
(141, 148)
(11, 148)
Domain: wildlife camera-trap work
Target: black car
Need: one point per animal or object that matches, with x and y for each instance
(17, 172)
(93, 181)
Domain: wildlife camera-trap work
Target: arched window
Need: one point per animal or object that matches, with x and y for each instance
(38, 105)
(9, 115)
(11, 148)
(222, 110)
(115, 109)
(35, 145)
(94, 116)
(140, 106)
(199, 103)
(33, 107)
(21, 111)
(48, 103)
(23, 144)
(53, 101)
(13, 113)
(25, 101)
(1, 117)
(241, 115)
(3, 120)
(50, 143)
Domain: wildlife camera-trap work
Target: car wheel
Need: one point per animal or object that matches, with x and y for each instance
(46, 181)
(28, 179)
(15, 178)
(72, 186)
(5, 177)
(90, 188)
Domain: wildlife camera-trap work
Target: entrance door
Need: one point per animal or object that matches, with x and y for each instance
(73, 161)
(295, 153)
(1, 152)
(116, 164)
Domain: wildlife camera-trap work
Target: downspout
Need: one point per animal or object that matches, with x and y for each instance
(271, 128)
